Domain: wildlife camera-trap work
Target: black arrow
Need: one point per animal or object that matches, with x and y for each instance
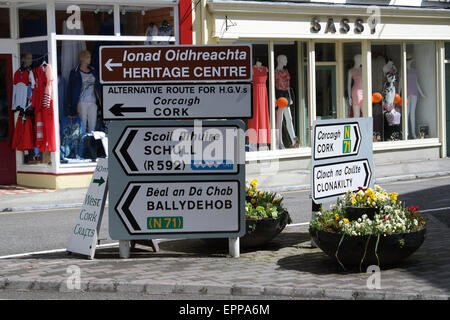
(368, 174)
(126, 208)
(124, 150)
(118, 110)
(357, 138)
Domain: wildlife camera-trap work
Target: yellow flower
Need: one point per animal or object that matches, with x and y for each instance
(346, 221)
(254, 183)
(353, 201)
(253, 201)
(260, 194)
(250, 192)
(336, 216)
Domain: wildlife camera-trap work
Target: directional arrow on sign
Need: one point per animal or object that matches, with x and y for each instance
(333, 180)
(99, 182)
(109, 64)
(118, 109)
(335, 140)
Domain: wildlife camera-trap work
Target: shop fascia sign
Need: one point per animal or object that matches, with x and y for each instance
(345, 25)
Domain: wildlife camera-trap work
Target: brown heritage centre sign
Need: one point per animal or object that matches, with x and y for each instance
(153, 64)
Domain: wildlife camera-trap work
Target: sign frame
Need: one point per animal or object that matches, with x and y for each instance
(120, 180)
(365, 152)
(106, 109)
(101, 63)
(162, 125)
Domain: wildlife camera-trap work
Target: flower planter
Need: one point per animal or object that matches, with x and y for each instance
(391, 248)
(259, 233)
(353, 213)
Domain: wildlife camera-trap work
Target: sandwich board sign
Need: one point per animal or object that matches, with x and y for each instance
(83, 239)
(176, 179)
(342, 157)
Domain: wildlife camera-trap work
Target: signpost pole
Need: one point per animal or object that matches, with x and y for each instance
(233, 246)
(124, 249)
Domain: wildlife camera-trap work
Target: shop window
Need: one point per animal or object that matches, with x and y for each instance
(4, 23)
(144, 21)
(287, 111)
(421, 90)
(33, 21)
(258, 128)
(84, 19)
(353, 79)
(325, 52)
(26, 138)
(386, 94)
(326, 106)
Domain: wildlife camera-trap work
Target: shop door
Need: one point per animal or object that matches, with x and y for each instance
(326, 92)
(7, 155)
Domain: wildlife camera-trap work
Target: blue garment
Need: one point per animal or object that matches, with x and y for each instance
(74, 90)
(61, 97)
(71, 132)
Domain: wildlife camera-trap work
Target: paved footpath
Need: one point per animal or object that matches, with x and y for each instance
(287, 267)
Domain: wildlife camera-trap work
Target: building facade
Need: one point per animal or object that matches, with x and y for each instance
(343, 58)
(54, 33)
(389, 60)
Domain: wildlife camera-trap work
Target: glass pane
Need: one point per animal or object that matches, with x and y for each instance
(421, 88)
(33, 21)
(326, 92)
(447, 51)
(386, 109)
(37, 49)
(144, 21)
(325, 52)
(447, 104)
(353, 88)
(84, 19)
(4, 123)
(258, 127)
(286, 92)
(4, 23)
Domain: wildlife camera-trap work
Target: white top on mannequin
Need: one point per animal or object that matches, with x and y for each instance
(408, 66)
(358, 63)
(388, 67)
(281, 61)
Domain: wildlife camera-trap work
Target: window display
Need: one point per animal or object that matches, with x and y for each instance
(150, 22)
(420, 86)
(353, 76)
(387, 112)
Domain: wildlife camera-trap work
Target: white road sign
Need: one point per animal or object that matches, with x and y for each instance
(338, 178)
(180, 207)
(336, 140)
(87, 226)
(145, 150)
(177, 101)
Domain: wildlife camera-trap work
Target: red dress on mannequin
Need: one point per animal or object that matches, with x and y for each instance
(259, 124)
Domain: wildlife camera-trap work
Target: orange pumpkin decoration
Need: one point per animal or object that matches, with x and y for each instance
(282, 102)
(376, 97)
(397, 99)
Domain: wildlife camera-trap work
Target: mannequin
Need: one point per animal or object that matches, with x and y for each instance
(355, 92)
(84, 92)
(152, 31)
(282, 79)
(392, 114)
(413, 89)
(259, 125)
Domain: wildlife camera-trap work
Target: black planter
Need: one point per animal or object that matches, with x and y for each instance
(259, 233)
(354, 213)
(391, 248)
